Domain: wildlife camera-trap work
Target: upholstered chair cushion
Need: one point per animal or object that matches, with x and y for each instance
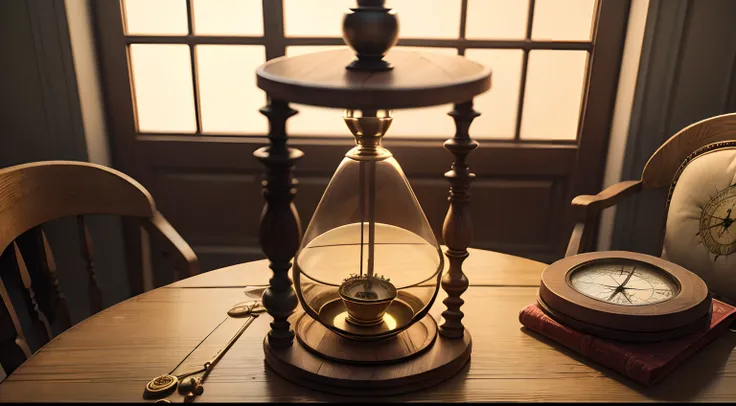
(700, 232)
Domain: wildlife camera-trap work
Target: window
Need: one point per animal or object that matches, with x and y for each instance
(193, 62)
(180, 90)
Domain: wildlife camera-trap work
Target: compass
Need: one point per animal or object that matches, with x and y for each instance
(625, 296)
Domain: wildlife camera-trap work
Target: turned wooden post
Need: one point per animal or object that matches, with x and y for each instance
(457, 229)
(280, 229)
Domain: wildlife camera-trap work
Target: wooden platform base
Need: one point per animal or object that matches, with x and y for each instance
(327, 344)
(442, 360)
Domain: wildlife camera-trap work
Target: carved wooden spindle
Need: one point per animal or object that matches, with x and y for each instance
(280, 229)
(40, 323)
(93, 288)
(8, 313)
(59, 304)
(457, 229)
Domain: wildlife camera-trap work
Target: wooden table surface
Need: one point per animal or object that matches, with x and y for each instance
(113, 354)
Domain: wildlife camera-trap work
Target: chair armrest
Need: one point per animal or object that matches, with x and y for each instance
(609, 197)
(586, 209)
(185, 260)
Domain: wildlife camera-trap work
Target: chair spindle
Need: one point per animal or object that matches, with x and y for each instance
(40, 323)
(62, 316)
(94, 292)
(20, 338)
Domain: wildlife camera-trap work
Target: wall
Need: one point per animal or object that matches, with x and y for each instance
(41, 118)
(622, 111)
(81, 36)
(51, 109)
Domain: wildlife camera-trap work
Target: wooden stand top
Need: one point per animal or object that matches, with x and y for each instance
(110, 356)
(419, 79)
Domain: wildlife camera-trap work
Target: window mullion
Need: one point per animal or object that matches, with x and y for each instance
(192, 56)
(273, 28)
(524, 66)
(463, 25)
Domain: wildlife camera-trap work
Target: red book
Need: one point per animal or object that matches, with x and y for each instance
(646, 363)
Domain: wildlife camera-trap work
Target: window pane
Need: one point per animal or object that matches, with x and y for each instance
(315, 19)
(162, 84)
(498, 106)
(228, 95)
(228, 17)
(417, 19)
(568, 20)
(497, 19)
(554, 90)
(425, 19)
(160, 17)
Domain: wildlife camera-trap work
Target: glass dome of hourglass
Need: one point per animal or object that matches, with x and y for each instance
(369, 265)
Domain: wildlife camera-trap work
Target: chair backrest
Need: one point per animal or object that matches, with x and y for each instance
(664, 163)
(698, 165)
(35, 193)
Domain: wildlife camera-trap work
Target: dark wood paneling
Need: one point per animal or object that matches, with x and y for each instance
(211, 209)
(221, 219)
(226, 207)
(505, 211)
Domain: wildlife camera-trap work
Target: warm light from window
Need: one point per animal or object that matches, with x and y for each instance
(427, 19)
(160, 17)
(497, 19)
(568, 20)
(229, 99)
(554, 89)
(228, 95)
(162, 84)
(228, 17)
(417, 18)
(499, 105)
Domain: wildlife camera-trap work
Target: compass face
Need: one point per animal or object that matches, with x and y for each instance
(717, 228)
(623, 282)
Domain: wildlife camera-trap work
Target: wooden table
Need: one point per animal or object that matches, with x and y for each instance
(111, 355)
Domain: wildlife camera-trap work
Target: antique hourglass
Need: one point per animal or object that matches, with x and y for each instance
(369, 263)
(367, 270)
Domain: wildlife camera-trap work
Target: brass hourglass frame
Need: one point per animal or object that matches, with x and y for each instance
(365, 317)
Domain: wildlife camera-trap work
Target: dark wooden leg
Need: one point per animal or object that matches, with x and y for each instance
(457, 230)
(280, 229)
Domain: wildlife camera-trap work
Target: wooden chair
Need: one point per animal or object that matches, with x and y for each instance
(35, 193)
(664, 169)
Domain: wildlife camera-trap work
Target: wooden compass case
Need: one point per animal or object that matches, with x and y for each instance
(688, 310)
